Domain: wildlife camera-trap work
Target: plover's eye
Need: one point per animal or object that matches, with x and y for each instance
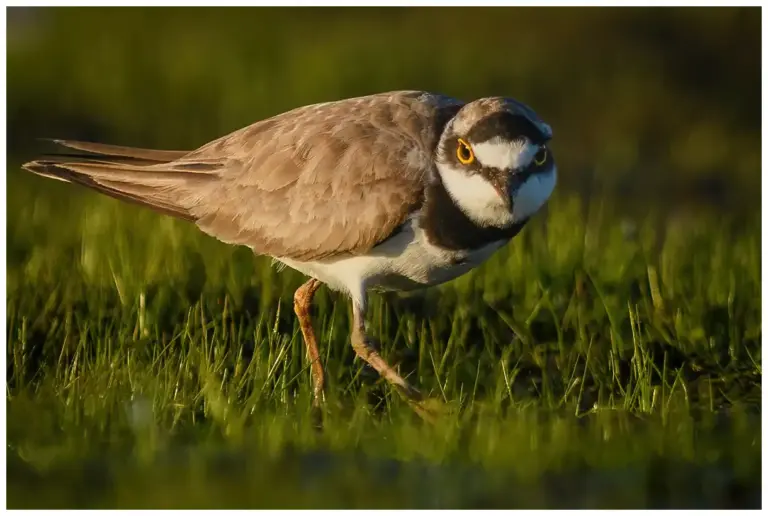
(540, 157)
(464, 152)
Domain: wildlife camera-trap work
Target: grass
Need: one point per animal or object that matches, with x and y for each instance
(600, 360)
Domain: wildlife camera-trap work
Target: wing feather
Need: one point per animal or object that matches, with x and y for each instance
(316, 182)
(326, 180)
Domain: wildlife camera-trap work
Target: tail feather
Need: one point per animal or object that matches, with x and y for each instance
(158, 156)
(143, 176)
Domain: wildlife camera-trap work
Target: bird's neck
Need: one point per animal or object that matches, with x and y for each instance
(447, 226)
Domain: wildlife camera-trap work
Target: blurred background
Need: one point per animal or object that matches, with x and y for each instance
(656, 115)
(655, 105)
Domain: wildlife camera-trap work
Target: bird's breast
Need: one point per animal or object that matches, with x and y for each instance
(406, 261)
(410, 260)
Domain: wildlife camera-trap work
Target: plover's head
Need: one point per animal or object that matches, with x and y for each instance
(494, 161)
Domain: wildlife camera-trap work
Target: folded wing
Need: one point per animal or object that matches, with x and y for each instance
(316, 182)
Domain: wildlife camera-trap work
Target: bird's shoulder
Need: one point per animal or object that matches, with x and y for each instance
(416, 117)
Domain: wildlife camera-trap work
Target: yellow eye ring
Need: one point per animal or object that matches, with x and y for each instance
(540, 160)
(465, 153)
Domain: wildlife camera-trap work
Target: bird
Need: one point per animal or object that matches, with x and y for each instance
(392, 191)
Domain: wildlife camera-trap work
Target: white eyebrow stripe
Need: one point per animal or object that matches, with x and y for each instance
(502, 154)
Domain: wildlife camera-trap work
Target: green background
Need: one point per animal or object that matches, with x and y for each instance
(610, 356)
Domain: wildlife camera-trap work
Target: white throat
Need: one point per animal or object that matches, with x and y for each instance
(532, 194)
(483, 205)
(476, 197)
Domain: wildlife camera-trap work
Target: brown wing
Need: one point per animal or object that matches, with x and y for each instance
(322, 180)
(319, 181)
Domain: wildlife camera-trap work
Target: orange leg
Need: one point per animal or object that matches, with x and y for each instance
(302, 303)
(365, 350)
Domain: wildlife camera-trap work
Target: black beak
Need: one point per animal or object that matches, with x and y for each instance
(501, 183)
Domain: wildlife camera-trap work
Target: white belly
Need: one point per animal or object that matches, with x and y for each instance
(405, 262)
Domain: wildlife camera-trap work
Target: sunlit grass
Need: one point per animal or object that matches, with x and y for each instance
(170, 368)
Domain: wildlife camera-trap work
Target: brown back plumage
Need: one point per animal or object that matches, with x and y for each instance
(319, 181)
